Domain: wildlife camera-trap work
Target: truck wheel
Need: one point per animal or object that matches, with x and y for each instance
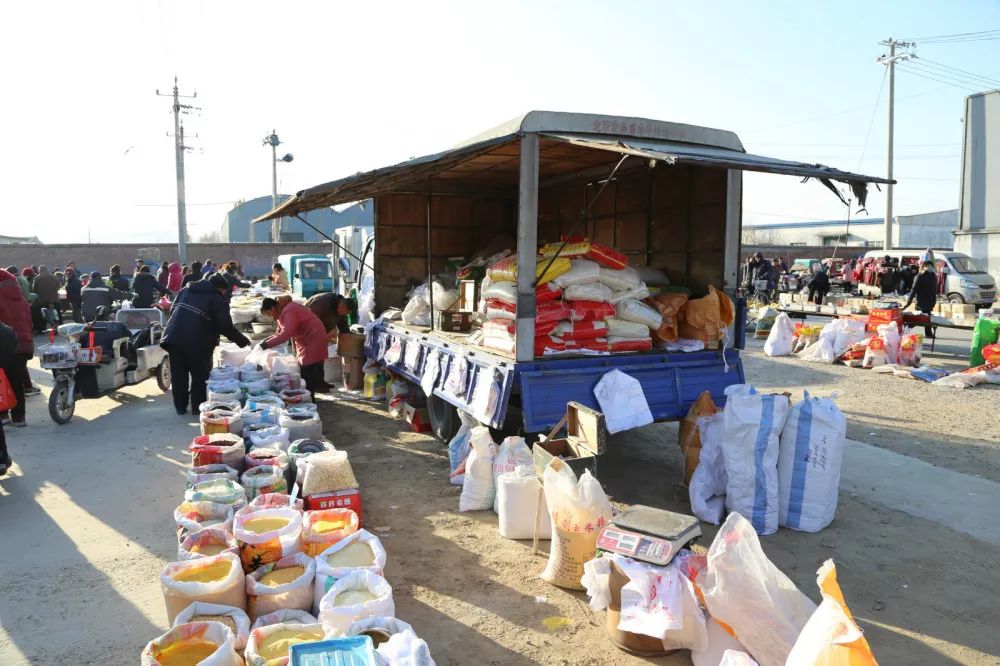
(956, 298)
(513, 425)
(163, 375)
(444, 418)
(60, 412)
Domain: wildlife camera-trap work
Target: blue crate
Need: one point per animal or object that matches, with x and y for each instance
(346, 651)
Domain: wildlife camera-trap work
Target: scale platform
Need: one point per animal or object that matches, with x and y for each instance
(648, 534)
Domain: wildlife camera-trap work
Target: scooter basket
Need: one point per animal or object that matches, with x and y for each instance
(57, 356)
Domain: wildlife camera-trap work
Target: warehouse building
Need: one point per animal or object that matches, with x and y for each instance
(236, 225)
(935, 230)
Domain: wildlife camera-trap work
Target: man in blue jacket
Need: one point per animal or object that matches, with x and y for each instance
(199, 316)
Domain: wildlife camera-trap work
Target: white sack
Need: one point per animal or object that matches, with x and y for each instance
(404, 648)
(578, 510)
(623, 280)
(781, 339)
(707, 489)
(512, 453)
(623, 402)
(581, 271)
(479, 486)
(519, 495)
(339, 618)
(717, 644)
(820, 351)
(594, 291)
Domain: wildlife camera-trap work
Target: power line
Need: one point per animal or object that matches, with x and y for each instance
(216, 203)
(923, 74)
(871, 123)
(951, 76)
(955, 71)
(961, 35)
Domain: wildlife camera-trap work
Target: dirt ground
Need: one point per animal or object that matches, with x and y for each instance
(86, 518)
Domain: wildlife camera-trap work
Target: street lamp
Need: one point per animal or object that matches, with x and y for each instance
(273, 141)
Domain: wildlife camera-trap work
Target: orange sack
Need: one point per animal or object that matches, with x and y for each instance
(669, 304)
(689, 438)
(705, 318)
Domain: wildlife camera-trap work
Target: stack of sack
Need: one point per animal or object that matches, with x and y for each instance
(256, 575)
(771, 461)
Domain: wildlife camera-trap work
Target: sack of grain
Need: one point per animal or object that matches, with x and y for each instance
(207, 542)
(220, 491)
(266, 455)
(259, 415)
(212, 405)
(301, 449)
(204, 473)
(357, 595)
(512, 452)
(194, 516)
(270, 645)
(295, 396)
(518, 498)
(301, 424)
(327, 471)
(220, 421)
(284, 616)
(267, 435)
(360, 551)
(223, 448)
(228, 395)
(264, 479)
(203, 643)
(231, 616)
(250, 372)
(287, 583)
(321, 529)
(223, 373)
(218, 579)
(271, 501)
(267, 399)
(282, 381)
(267, 535)
(479, 485)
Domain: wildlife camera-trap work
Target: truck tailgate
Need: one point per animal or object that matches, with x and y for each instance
(671, 383)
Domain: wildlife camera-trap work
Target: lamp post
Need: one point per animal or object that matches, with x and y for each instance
(273, 141)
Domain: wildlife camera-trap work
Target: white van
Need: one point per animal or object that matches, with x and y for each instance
(967, 281)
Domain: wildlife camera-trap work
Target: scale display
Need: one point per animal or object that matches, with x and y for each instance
(635, 545)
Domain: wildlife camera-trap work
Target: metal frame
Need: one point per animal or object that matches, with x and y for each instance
(527, 240)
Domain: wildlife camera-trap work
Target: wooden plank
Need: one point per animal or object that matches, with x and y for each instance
(451, 211)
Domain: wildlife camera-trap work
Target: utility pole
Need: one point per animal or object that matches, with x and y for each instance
(890, 62)
(273, 141)
(179, 149)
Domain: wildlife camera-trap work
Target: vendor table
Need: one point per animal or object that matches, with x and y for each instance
(801, 313)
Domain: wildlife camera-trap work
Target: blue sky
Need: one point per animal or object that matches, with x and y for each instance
(354, 86)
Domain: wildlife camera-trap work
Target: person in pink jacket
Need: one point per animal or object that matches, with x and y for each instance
(175, 277)
(307, 333)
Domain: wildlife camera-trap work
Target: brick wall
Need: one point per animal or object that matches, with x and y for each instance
(256, 258)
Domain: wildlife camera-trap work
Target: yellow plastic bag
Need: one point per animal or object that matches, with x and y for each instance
(705, 318)
(831, 637)
(505, 270)
(689, 438)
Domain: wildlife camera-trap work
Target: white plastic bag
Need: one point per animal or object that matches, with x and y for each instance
(416, 312)
(781, 339)
(632, 310)
(753, 422)
(296, 594)
(820, 351)
(240, 619)
(284, 616)
(404, 648)
(223, 373)
(581, 271)
(890, 333)
(849, 332)
(707, 489)
(622, 280)
(327, 574)
(593, 291)
(266, 435)
(578, 511)
(444, 298)
(742, 588)
(623, 402)
(635, 293)
(260, 548)
(717, 643)
(518, 497)
(339, 617)
(301, 425)
(479, 486)
(213, 632)
(459, 447)
(737, 658)
(232, 355)
(809, 457)
(512, 452)
(429, 376)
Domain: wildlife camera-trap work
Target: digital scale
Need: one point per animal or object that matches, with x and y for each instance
(649, 535)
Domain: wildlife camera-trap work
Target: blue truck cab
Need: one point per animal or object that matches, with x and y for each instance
(308, 274)
(667, 195)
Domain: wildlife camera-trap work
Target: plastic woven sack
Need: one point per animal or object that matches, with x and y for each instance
(194, 516)
(688, 436)
(204, 473)
(620, 328)
(197, 611)
(264, 648)
(302, 425)
(269, 400)
(250, 372)
(264, 479)
(223, 373)
(620, 280)
(505, 270)
(282, 381)
(593, 291)
(266, 455)
(264, 596)
(295, 396)
(603, 254)
(359, 551)
(220, 421)
(301, 449)
(268, 435)
(743, 589)
(284, 616)
(512, 453)
(206, 543)
(518, 498)
(271, 501)
(582, 330)
(224, 448)
(580, 271)
(621, 345)
(577, 511)
(706, 318)
(217, 579)
(479, 487)
(267, 535)
(635, 293)
(707, 488)
(232, 355)
(219, 491)
(212, 405)
(589, 311)
(207, 634)
(640, 313)
(339, 618)
(321, 529)
(259, 415)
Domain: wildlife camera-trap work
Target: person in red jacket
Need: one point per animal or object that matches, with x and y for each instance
(298, 324)
(16, 313)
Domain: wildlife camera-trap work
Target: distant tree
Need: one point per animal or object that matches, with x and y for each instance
(758, 236)
(210, 237)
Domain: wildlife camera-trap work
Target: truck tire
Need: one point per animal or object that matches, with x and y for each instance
(444, 418)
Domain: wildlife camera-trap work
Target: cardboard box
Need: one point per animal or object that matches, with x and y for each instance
(336, 499)
(453, 321)
(586, 438)
(965, 309)
(417, 417)
(468, 295)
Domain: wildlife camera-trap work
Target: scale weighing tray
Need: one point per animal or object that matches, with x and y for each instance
(648, 534)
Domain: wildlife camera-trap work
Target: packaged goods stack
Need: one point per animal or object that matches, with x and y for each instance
(261, 576)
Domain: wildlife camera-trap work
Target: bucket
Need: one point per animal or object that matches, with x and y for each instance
(351, 345)
(637, 644)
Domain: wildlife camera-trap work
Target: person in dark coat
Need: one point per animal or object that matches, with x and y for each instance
(73, 287)
(46, 290)
(94, 295)
(233, 278)
(333, 310)
(163, 274)
(199, 316)
(9, 364)
(16, 313)
(193, 276)
(819, 286)
(145, 289)
(117, 280)
(925, 292)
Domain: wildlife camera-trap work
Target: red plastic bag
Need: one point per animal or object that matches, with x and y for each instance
(7, 398)
(636, 345)
(581, 330)
(590, 310)
(991, 353)
(547, 292)
(553, 311)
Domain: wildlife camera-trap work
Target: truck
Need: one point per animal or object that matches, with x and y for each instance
(349, 244)
(670, 198)
(308, 274)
